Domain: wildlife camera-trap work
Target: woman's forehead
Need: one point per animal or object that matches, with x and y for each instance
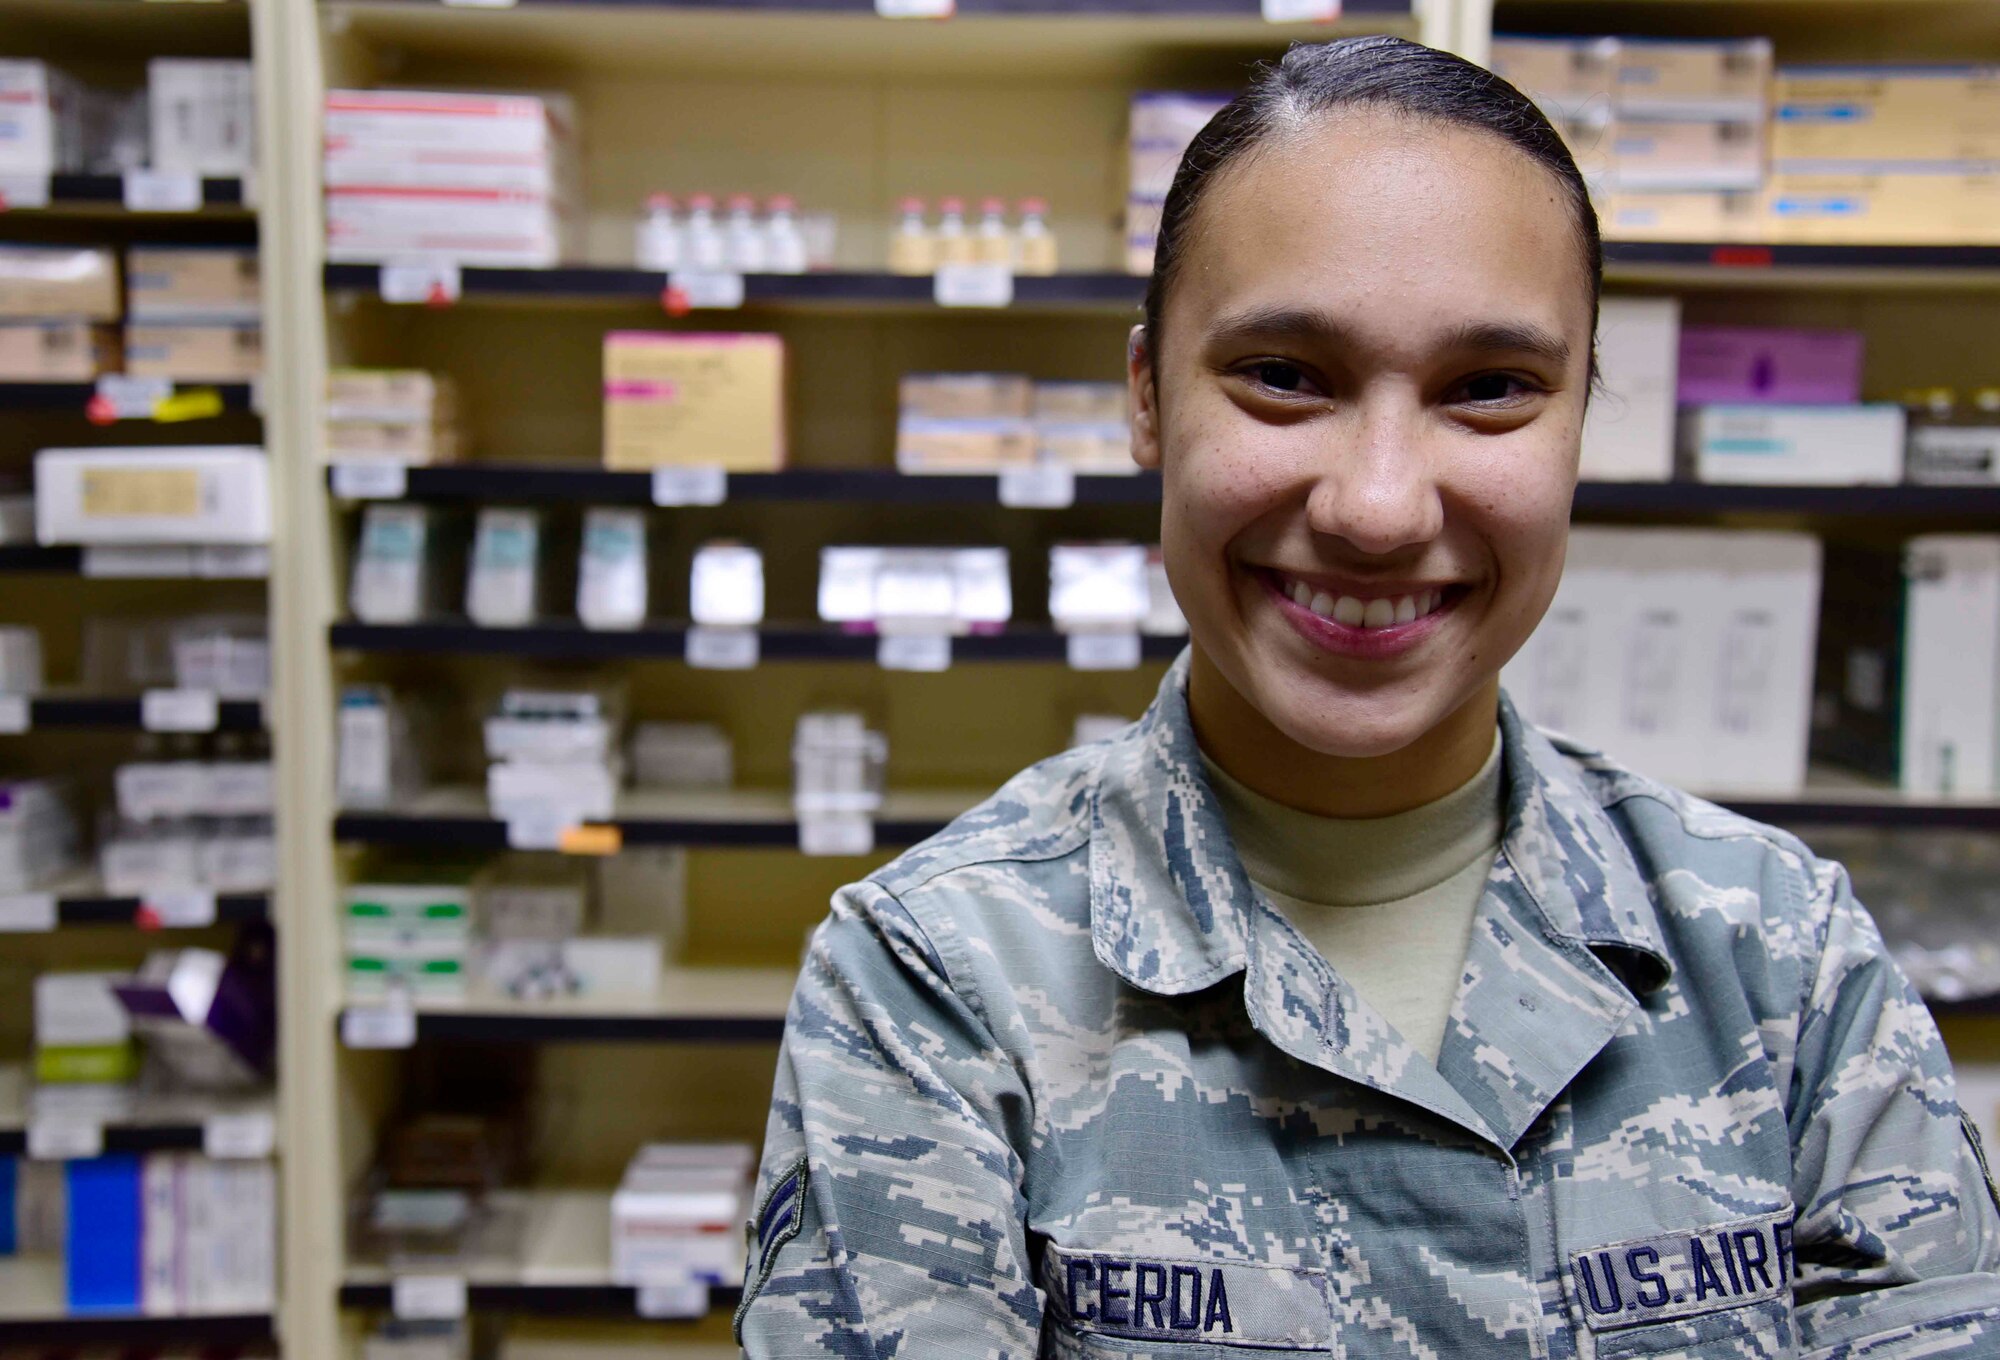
(1421, 223)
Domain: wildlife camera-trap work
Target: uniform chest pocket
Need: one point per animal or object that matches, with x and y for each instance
(1720, 1290)
(1109, 1306)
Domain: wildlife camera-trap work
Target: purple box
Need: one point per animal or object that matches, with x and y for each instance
(1774, 365)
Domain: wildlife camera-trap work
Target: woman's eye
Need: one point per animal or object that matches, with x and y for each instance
(1275, 373)
(1489, 388)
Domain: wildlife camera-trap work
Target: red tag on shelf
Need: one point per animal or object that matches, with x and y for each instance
(674, 301)
(100, 410)
(1741, 257)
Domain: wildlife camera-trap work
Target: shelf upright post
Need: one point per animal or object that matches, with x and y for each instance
(285, 49)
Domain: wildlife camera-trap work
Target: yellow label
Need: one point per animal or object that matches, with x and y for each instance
(122, 493)
(196, 403)
(591, 839)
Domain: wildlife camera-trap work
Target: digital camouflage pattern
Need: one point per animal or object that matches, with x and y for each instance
(1059, 1082)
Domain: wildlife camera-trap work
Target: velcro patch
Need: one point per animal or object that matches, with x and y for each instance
(1676, 1275)
(780, 1215)
(1141, 1297)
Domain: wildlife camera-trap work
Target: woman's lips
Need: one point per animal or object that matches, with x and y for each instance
(1376, 626)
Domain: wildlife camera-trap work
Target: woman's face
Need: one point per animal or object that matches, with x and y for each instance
(1371, 385)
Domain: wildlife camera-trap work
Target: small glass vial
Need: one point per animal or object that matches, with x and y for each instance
(659, 235)
(743, 237)
(954, 244)
(991, 243)
(1034, 243)
(911, 249)
(701, 240)
(784, 242)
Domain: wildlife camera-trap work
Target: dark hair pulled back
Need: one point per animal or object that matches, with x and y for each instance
(1377, 72)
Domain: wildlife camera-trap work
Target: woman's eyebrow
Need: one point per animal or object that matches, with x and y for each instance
(1314, 326)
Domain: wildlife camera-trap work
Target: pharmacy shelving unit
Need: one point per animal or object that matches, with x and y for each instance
(821, 99)
(76, 923)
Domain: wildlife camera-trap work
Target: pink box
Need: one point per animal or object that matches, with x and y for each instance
(1769, 364)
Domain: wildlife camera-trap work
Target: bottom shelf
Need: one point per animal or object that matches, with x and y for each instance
(33, 1312)
(562, 1267)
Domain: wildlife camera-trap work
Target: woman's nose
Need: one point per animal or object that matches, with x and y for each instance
(1374, 485)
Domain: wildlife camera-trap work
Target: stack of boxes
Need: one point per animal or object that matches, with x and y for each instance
(1778, 406)
(194, 314)
(171, 1234)
(58, 313)
(988, 422)
(202, 116)
(479, 179)
(678, 1215)
(1111, 587)
(1669, 134)
(83, 1037)
(196, 116)
(402, 415)
(411, 940)
(1886, 154)
(1162, 124)
(940, 590)
(838, 766)
(45, 131)
(555, 758)
(191, 814)
(38, 834)
(677, 755)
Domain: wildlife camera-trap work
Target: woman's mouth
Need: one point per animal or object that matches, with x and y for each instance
(1375, 624)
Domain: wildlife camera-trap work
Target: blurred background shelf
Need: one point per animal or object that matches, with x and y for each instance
(694, 1005)
(26, 396)
(126, 712)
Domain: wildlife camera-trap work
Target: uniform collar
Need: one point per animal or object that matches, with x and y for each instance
(1172, 908)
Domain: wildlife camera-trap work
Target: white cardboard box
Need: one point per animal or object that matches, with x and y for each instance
(203, 115)
(1796, 445)
(192, 494)
(1628, 432)
(1685, 654)
(1951, 664)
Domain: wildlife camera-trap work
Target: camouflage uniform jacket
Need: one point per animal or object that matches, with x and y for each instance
(1059, 1082)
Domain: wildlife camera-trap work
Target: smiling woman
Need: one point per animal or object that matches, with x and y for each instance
(1330, 1008)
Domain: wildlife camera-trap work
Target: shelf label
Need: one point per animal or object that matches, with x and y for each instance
(177, 909)
(1301, 11)
(436, 283)
(233, 561)
(370, 479)
(916, 9)
(27, 913)
(723, 649)
(711, 289)
(1103, 651)
(137, 560)
(686, 1298)
(538, 831)
(973, 285)
(591, 838)
(427, 1298)
(690, 486)
(1038, 486)
(16, 714)
(482, 4)
(119, 396)
(247, 1135)
(24, 191)
(378, 1026)
(62, 1139)
(836, 833)
(913, 651)
(162, 191)
(179, 710)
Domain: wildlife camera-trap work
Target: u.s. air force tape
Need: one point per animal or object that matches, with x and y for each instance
(1679, 1274)
(1164, 1298)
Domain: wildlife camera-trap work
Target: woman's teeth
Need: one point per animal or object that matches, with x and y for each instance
(1353, 613)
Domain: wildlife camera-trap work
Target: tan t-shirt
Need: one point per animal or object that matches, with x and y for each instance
(1388, 901)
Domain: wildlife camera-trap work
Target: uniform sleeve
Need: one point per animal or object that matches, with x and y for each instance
(890, 1217)
(1898, 1231)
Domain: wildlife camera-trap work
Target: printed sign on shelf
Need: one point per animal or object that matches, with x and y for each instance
(162, 191)
(708, 289)
(690, 486)
(434, 282)
(27, 913)
(836, 833)
(913, 651)
(379, 1026)
(427, 1298)
(179, 710)
(178, 909)
(1301, 11)
(59, 1138)
(1038, 486)
(16, 714)
(973, 285)
(1096, 651)
(370, 479)
(246, 1135)
(723, 649)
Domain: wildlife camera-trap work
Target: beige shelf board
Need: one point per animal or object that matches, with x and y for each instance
(689, 993)
(658, 40)
(770, 806)
(565, 1237)
(20, 1103)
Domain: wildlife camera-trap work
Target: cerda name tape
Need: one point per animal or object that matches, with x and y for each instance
(1162, 1298)
(1675, 1275)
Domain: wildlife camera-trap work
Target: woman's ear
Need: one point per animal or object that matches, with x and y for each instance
(1145, 399)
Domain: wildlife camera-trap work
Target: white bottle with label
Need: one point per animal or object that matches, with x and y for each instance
(743, 237)
(391, 582)
(784, 242)
(659, 235)
(991, 243)
(702, 244)
(1034, 244)
(911, 249)
(611, 578)
(500, 589)
(954, 244)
